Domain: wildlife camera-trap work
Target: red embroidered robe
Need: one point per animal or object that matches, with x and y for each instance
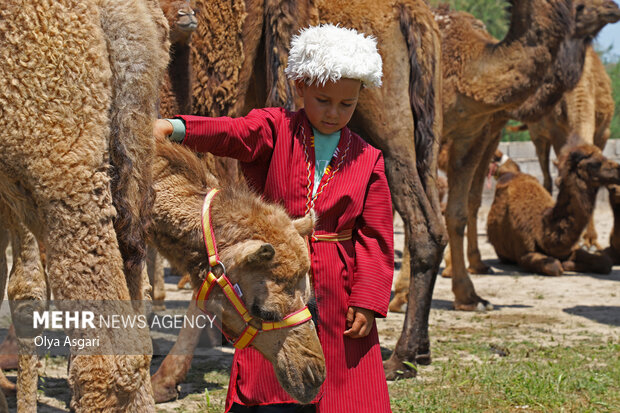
(277, 157)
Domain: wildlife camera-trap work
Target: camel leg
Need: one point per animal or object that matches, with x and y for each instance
(8, 353)
(27, 292)
(541, 264)
(613, 251)
(583, 261)
(423, 224)
(460, 177)
(543, 151)
(401, 285)
(155, 269)
(84, 262)
(175, 366)
(476, 266)
(590, 236)
(9, 350)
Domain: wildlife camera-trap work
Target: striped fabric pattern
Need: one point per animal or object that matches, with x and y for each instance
(271, 144)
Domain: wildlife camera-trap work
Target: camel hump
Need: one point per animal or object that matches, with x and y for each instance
(420, 33)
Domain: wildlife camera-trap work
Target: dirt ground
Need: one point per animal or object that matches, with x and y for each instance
(570, 307)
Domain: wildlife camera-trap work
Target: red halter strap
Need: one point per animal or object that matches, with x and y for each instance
(249, 333)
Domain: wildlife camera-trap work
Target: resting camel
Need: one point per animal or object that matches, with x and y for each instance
(477, 106)
(261, 249)
(587, 111)
(613, 251)
(77, 95)
(525, 225)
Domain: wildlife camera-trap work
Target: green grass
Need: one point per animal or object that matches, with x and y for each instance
(469, 376)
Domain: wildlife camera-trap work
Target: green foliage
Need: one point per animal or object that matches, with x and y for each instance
(613, 70)
(491, 12)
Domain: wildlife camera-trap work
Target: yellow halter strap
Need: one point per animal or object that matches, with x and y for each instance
(249, 333)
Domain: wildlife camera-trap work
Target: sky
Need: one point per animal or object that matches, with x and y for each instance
(610, 35)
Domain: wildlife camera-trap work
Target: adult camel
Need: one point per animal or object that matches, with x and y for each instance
(483, 78)
(77, 95)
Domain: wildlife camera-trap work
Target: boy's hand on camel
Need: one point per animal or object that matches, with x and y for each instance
(162, 129)
(359, 322)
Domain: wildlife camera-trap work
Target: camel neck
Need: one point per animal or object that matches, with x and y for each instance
(570, 215)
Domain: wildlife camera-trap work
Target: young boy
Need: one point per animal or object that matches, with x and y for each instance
(310, 159)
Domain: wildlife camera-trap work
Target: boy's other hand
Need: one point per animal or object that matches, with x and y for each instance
(359, 322)
(162, 129)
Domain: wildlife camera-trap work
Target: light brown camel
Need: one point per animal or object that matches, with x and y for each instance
(77, 95)
(525, 225)
(246, 71)
(262, 249)
(587, 111)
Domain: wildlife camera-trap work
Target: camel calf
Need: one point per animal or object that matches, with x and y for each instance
(525, 225)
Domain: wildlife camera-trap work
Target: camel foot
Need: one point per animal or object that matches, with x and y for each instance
(480, 305)
(423, 359)
(397, 305)
(554, 269)
(163, 392)
(396, 369)
(8, 387)
(480, 268)
(183, 282)
(447, 272)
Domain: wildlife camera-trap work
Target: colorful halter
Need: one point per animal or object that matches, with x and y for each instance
(233, 292)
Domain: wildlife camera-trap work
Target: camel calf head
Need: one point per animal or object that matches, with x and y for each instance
(271, 268)
(588, 164)
(261, 249)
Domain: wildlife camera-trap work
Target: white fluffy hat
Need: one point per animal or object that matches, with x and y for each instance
(328, 52)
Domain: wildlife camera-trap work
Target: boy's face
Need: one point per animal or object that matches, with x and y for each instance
(329, 108)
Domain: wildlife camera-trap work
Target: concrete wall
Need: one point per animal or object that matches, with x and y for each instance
(524, 153)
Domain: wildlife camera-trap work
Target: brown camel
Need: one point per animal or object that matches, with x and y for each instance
(525, 225)
(77, 95)
(613, 251)
(403, 118)
(476, 107)
(499, 162)
(587, 111)
(263, 251)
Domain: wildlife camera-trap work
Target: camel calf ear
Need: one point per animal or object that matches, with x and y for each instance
(264, 253)
(305, 225)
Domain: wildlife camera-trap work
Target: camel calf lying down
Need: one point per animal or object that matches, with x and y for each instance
(525, 225)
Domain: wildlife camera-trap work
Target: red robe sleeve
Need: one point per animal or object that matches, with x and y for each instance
(249, 139)
(374, 246)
